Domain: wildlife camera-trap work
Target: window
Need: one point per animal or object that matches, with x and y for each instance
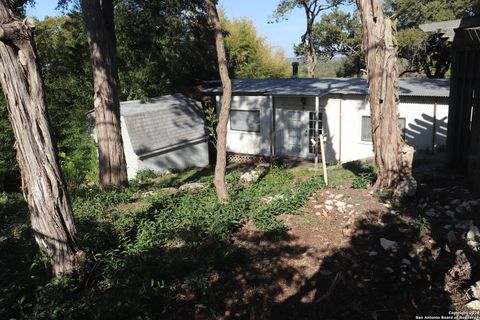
(311, 129)
(367, 128)
(245, 120)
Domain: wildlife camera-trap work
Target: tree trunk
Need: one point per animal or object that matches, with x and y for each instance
(307, 39)
(392, 156)
(221, 164)
(42, 182)
(99, 21)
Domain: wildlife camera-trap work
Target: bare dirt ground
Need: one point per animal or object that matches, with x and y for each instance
(348, 255)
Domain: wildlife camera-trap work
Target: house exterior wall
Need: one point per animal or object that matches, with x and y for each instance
(342, 124)
(186, 156)
(255, 143)
(130, 157)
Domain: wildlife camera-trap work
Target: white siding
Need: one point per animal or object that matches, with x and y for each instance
(417, 111)
(257, 143)
(130, 156)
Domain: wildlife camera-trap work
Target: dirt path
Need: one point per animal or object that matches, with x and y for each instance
(332, 264)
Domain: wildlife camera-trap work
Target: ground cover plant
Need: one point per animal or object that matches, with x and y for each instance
(149, 245)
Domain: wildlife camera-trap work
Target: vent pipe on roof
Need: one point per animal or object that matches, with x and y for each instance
(295, 69)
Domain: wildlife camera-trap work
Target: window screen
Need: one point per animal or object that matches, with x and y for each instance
(245, 120)
(366, 129)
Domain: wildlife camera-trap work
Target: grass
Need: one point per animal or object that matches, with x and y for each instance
(146, 246)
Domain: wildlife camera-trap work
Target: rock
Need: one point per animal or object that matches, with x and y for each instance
(473, 233)
(269, 199)
(460, 210)
(462, 270)
(474, 305)
(407, 187)
(450, 214)
(372, 253)
(339, 196)
(389, 270)
(252, 176)
(406, 262)
(388, 244)
(432, 214)
(340, 204)
(464, 224)
(317, 206)
(474, 203)
(318, 213)
(474, 290)
(451, 237)
(455, 202)
(329, 202)
(193, 187)
(329, 208)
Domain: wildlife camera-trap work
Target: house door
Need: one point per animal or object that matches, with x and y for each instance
(296, 142)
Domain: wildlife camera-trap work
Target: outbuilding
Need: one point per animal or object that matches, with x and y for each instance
(163, 133)
(275, 118)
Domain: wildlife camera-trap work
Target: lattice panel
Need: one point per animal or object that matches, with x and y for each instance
(246, 158)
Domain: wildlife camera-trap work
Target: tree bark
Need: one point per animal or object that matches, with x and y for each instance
(99, 21)
(307, 39)
(393, 156)
(42, 182)
(221, 164)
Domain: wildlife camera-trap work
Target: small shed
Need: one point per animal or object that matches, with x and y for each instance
(463, 143)
(164, 133)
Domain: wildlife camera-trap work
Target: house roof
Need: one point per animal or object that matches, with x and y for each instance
(162, 123)
(324, 86)
(447, 28)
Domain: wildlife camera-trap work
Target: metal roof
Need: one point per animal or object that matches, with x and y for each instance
(447, 28)
(325, 86)
(163, 122)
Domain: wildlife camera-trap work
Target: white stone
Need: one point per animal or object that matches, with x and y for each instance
(329, 202)
(329, 208)
(372, 253)
(389, 270)
(475, 290)
(473, 233)
(474, 305)
(406, 262)
(340, 204)
(339, 196)
(388, 244)
(317, 206)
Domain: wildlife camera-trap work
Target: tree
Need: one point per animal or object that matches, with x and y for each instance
(163, 46)
(221, 164)
(340, 33)
(99, 22)
(393, 157)
(426, 54)
(312, 10)
(249, 56)
(42, 182)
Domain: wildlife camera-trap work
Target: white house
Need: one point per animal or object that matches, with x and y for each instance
(163, 133)
(277, 117)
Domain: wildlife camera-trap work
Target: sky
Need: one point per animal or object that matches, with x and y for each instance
(283, 34)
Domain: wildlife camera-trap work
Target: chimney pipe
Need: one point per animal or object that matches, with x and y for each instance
(295, 69)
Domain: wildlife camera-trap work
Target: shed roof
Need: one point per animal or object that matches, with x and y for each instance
(163, 122)
(324, 86)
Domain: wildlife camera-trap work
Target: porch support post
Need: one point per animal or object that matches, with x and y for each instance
(272, 129)
(317, 116)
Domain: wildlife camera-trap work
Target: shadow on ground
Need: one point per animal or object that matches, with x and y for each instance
(254, 277)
